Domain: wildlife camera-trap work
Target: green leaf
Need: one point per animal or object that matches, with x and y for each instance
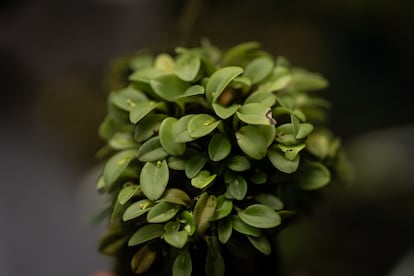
(194, 165)
(258, 177)
(224, 229)
(304, 80)
(203, 179)
(291, 151)
(269, 200)
(193, 90)
(145, 75)
(204, 211)
(187, 67)
(239, 163)
(128, 98)
(164, 62)
(148, 126)
(280, 79)
(219, 147)
(141, 61)
(285, 136)
(225, 112)
(256, 114)
(143, 260)
(176, 163)
(313, 176)
(214, 265)
(261, 243)
(154, 178)
(261, 96)
(117, 164)
(169, 87)
(182, 265)
(181, 129)
(151, 150)
(240, 226)
(176, 239)
(219, 80)
(137, 209)
(190, 226)
(127, 193)
(318, 143)
(260, 216)
(237, 189)
(146, 233)
(175, 196)
(240, 52)
(252, 142)
(280, 162)
(304, 130)
(121, 141)
(223, 208)
(167, 138)
(201, 125)
(258, 69)
(141, 110)
(162, 212)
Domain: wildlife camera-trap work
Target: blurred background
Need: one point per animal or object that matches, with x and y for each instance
(56, 58)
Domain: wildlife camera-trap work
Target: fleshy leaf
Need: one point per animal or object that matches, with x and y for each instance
(151, 150)
(269, 200)
(280, 162)
(223, 209)
(237, 189)
(117, 164)
(201, 125)
(252, 142)
(203, 179)
(162, 212)
(187, 67)
(219, 80)
(258, 69)
(224, 229)
(204, 211)
(239, 163)
(242, 227)
(256, 114)
(167, 139)
(181, 129)
(141, 110)
(169, 87)
(261, 243)
(146, 233)
(148, 126)
(182, 265)
(128, 98)
(313, 176)
(154, 178)
(219, 147)
(260, 216)
(127, 193)
(194, 165)
(137, 209)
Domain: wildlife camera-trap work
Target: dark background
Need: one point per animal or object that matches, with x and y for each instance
(55, 62)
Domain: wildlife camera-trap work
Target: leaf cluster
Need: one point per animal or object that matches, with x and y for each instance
(202, 144)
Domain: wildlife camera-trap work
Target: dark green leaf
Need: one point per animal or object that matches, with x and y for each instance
(223, 208)
(162, 212)
(313, 176)
(154, 178)
(260, 216)
(152, 150)
(237, 189)
(224, 229)
(252, 142)
(239, 163)
(261, 243)
(256, 114)
(175, 196)
(182, 265)
(127, 193)
(141, 110)
(269, 200)
(258, 177)
(258, 69)
(219, 80)
(194, 165)
(146, 233)
(219, 147)
(167, 138)
(176, 239)
(137, 209)
(187, 67)
(148, 126)
(201, 125)
(143, 260)
(181, 129)
(244, 228)
(204, 211)
(117, 164)
(169, 87)
(280, 162)
(214, 265)
(203, 179)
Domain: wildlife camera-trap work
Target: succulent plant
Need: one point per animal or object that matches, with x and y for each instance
(203, 145)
